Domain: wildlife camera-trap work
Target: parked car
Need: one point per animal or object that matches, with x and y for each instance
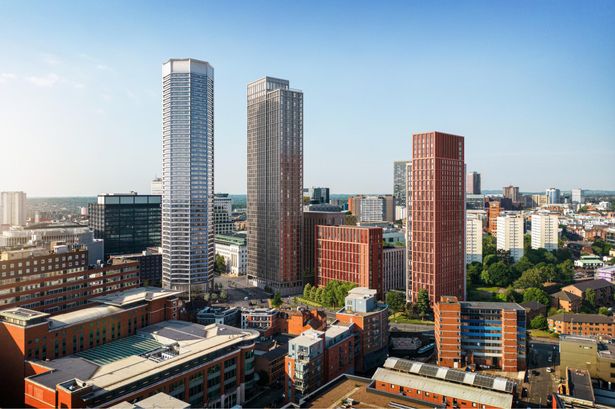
(549, 369)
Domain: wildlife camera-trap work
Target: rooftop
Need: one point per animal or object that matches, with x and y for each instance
(492, 305)
(355, 388)
(582, 318)
(158, 401)
(565, 295)
(590, 284)
(155, 349)
(134, 295)
(580, 385)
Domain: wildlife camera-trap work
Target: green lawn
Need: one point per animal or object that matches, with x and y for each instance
(483, 293)
(301, 300)
(399, 318)
(540, 333)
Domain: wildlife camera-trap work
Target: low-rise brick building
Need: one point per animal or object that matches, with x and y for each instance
(35, 336)
(582, 324)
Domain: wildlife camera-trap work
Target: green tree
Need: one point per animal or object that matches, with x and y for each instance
(306, 290)
(590, 298)
(396, 300)
(603, 311)
(219, 265)
(537, 276)
(536, 294)
(538, 322)
(350, 220)
(489, 260)
(498, 274)
(313, 292)
(223, 295)
(510, 295)
(489, 245)
(600, 247)
(527, 242)
(473, 272)
(319, 295)
(276, 301)
(422, 303)
(522, 265)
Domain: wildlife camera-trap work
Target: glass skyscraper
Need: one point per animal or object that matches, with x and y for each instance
(187, 175)
(275, 185)
(127, 222)
(399, 182)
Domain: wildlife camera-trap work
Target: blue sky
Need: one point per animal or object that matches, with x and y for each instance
(531, 85)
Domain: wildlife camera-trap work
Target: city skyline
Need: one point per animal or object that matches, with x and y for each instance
(507, 77)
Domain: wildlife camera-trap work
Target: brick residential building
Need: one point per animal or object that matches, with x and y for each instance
(316, 357)
(351, 254)
(265, 320)
(494, 213)
(311, 219)
(438, 215)
(60, 279)
(582, 324)
(371, 326)
(31, 335)
(483, 333)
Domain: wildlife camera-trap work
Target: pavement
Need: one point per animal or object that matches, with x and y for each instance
(238, 290)
(543, 354)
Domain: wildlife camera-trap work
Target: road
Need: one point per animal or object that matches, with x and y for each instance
(543, 354)
(238, 289)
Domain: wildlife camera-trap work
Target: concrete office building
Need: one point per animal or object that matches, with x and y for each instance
(473, 183)
(372, 208)
(223, 213)
(156, 187)
(393, 268)
(319, 195)
(483, 333)
(545, 231)
(35, 336)
(512, 193)
(219, 315)
(13, 207)
(438, 215)
(475, 202)
(127, 222)
(510, 234)
(578, 196)
(234, 249)
(399, 182)
(44, 234)
(59, 278)
(311, 219)
(553, 195)
(594, 353)
(474, 239)
(188, 175)
(275, 185)
(351, 254)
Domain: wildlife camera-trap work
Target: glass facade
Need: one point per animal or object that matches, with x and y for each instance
(127, 223)
(188, 183)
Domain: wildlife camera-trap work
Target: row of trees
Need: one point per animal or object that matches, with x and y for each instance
(332, 295)
(533, 269)
(396, 300)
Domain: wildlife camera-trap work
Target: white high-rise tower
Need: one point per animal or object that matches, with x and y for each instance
(187, 175)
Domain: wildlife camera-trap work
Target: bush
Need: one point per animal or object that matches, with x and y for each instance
(539, 322)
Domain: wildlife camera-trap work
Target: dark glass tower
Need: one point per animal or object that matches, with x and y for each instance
(128, 223)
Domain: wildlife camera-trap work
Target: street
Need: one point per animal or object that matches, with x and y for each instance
(542, 355)
(238, 289)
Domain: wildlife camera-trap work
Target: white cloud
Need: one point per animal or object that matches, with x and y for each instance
(45, 81)
(6, 77)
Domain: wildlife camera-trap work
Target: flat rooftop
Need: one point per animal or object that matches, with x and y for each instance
(158, 348)
(158, 401)
(355, 388)
(134, 295)
(581, 385)
(492, 305)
